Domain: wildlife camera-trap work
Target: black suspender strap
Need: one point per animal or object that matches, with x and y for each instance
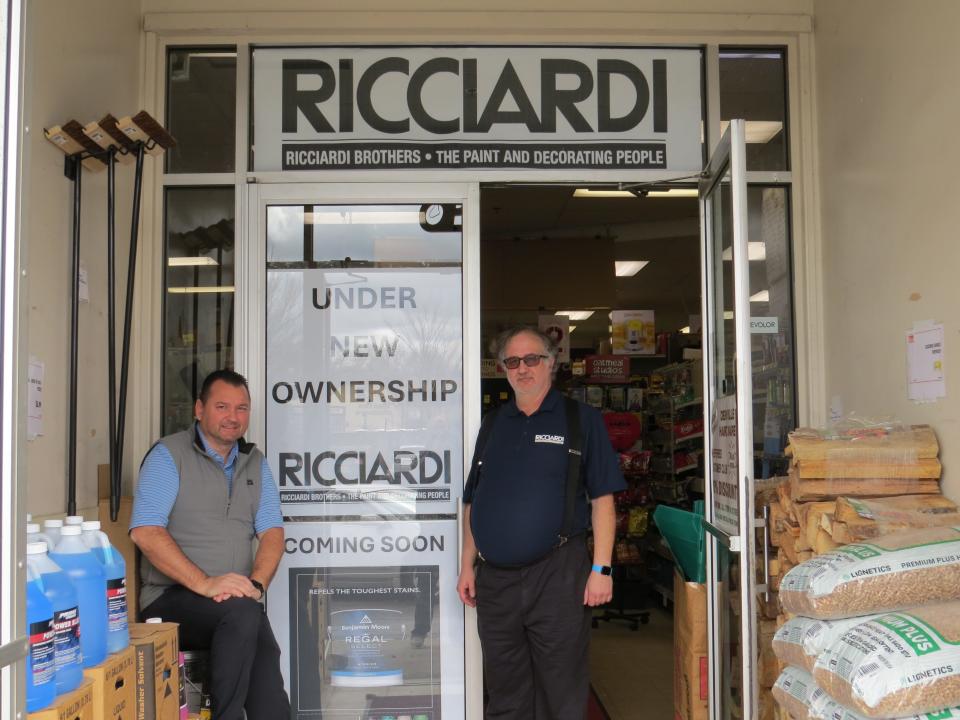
(486, 427)
(574, 458)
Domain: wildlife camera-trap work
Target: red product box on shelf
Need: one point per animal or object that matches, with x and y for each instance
(688, 428)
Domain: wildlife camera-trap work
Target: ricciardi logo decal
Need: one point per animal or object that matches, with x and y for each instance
(551, 439)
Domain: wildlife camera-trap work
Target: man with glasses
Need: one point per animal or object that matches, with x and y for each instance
(524, 563)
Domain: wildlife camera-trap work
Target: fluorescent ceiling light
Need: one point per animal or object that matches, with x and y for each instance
(762, 296)
(361, 217)
(213, 54)
(191, 261)
(198, 290)
(756, 251)
(674, 193)
(575, 314)
(757, 131)
(571, 328)
(728, 314)
(685, 330)
(628, 268)
(662, 193)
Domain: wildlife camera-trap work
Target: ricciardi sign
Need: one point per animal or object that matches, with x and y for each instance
(561, 109)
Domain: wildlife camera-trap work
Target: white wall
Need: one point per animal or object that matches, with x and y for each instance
(887, 114)
(82, 61)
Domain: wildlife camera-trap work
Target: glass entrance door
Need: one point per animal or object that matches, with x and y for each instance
(362, 376)
(731, 583)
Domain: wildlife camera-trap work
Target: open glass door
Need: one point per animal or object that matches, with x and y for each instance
(357, 296)
(731, 583)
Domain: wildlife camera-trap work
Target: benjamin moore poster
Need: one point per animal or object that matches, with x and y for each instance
(464, 108)
(368, 620)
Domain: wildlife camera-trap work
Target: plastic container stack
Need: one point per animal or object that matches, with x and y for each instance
(87, 575)
(58, 589)
(41, 665)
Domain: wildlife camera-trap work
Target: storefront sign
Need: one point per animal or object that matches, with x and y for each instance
(634, 332)
(765, 325)
(468, 108)
(364, 399)
(368, 620)
(724, 474)
(608, 368)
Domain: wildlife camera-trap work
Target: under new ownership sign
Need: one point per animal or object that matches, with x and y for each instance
(467, 108)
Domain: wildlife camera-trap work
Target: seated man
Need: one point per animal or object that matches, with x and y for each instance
(202, 495)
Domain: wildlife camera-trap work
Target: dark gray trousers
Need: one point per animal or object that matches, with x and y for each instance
(244, 655)
(535, 634)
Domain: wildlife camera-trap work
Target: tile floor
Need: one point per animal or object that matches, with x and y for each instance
(632, 672)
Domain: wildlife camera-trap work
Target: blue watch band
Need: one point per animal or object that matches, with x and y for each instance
(602, 569)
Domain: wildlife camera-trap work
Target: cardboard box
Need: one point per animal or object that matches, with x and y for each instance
(114, 686)
(690, 668)
(76, 705)
(119, 534)
(157, 670)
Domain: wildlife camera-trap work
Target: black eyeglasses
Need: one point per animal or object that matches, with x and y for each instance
(531, 360)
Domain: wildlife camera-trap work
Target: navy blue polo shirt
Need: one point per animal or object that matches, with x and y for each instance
(517, 506)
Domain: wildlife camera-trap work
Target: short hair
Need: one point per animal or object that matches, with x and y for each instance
(504, 338)
(228, 376)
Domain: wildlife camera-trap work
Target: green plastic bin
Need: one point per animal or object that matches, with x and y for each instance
(686, 537)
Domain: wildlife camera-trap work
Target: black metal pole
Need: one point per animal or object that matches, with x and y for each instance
(112, 329)
(127, 318)
(74, 342)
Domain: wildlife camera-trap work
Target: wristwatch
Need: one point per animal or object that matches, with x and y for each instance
(602, 569)
(259, 586)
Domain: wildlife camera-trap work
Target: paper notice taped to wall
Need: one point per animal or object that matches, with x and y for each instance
(926, 381)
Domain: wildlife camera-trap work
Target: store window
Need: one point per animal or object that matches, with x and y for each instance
(772, 331)
(753, 87)
(201, 109)
(198, 295)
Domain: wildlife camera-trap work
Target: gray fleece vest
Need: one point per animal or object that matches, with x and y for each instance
(213, 530)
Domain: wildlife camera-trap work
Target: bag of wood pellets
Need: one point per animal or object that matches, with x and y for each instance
(800, 640)
(829, 709)
(896, 665)
(794, 691)
(895, 571)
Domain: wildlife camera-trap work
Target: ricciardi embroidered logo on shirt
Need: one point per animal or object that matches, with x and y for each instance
(552, 439)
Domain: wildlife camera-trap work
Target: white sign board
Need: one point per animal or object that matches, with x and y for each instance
(368, 620)
(467, 108)
(926, 381)
(765, 325)
(724, 474)
(364, 390)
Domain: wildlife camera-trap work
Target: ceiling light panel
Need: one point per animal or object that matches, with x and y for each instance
(628, 268)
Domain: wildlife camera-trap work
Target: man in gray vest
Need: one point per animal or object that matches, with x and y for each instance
(202, 496)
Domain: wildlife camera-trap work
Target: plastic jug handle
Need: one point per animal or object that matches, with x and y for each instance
(107, 547)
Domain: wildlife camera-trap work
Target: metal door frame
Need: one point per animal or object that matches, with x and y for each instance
(729, 160)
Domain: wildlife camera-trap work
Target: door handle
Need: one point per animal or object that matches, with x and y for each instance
(765, 523)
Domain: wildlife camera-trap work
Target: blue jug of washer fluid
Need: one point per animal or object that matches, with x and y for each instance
(115, 569)
(41, 669)
(87, 576)
(60, 592)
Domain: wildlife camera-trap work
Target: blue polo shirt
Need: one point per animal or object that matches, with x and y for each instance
(517, 505)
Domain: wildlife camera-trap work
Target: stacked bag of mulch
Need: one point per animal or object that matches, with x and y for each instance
(874, 630)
